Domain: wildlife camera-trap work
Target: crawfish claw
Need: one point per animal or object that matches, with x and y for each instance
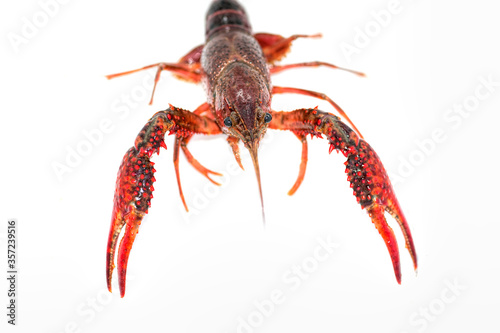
(369, 180)
(133, 194)
(373, 191)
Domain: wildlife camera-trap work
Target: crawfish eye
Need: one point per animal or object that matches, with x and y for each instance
(268, 117)
(228, 122)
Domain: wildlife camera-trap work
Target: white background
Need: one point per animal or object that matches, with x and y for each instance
(204, 272)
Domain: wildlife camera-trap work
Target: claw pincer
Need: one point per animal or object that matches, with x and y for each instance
(133, 194)
(371, 185)
(367, 176)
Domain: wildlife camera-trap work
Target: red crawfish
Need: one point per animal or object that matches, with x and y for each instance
(235, 66)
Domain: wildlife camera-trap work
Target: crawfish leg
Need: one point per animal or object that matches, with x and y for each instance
(303, 164)
(194, 162)
(282, 90)
(182, 141)
(203, 110)
(188, 68)
(176, 167)
(275, 47)
(134, 184)
(369, 180)
(279, 68)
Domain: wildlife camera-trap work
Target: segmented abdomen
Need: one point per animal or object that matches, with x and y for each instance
(226, 15)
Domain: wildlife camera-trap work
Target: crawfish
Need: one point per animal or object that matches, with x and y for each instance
(235, 66)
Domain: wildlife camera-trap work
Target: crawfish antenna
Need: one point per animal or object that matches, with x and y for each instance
(253, 153)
